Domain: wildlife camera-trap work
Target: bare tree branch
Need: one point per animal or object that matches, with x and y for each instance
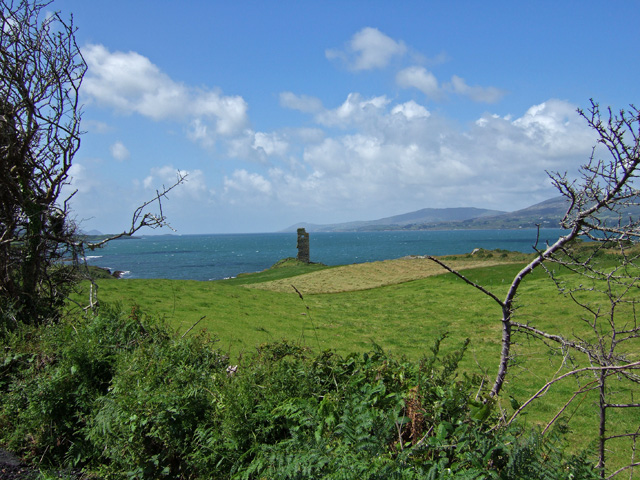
(546, 386)
(603, 205)
(142, 218)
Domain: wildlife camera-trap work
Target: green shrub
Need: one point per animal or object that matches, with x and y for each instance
(123, 396)
(161, 392)
(52, 376)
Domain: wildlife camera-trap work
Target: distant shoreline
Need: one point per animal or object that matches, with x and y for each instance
(219, 256)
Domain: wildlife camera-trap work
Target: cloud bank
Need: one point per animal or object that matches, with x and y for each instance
(384, 153)
(130, 83)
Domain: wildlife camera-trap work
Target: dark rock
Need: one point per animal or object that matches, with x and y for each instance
(8, 458)
(12, 468)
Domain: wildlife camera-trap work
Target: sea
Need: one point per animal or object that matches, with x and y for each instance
(220, 256)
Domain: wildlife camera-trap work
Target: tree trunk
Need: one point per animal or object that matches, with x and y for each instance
(505, 353)
(32, 260)
(603, 423)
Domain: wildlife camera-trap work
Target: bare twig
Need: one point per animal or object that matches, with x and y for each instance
(546, 386)
(193, 326)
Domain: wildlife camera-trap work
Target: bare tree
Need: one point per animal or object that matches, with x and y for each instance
(606, 289)
(603, 208)
(42, 72)
(609, 343)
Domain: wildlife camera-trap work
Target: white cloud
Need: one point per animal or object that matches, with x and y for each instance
(302, 103)
(119, 151)
(230, 113)
(193, 186)
(389, 158)
(476, 93)
(411, 110)
(555, 127)
(551, 116)
(368, 49)
(131, 83)
(270, 143)
(96, 126)
(245, 182)
(200, 132)
(401, 155)
(258, 146)
(427, 83)
(354, 110)
(81, 180)
(306, 135)
(420, 78)
(367, 153)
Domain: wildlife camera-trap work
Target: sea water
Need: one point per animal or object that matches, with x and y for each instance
(214, 257)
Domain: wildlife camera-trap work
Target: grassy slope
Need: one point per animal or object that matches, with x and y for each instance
(400, 305)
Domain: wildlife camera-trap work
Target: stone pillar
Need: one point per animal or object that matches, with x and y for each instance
(303, 245)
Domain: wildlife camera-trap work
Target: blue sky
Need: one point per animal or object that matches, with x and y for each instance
(323, 112)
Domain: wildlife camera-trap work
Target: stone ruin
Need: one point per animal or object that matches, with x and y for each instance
(303, 245)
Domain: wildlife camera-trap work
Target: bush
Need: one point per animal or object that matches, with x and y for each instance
(52, 376)
(160, 394)
(123, 396)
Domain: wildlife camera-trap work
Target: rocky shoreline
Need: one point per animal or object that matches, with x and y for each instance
(108, 272)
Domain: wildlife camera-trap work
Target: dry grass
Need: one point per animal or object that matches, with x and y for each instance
(365, 276)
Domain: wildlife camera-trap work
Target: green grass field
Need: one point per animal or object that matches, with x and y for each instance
(402, 306)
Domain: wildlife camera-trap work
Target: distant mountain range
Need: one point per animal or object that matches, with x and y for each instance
(547, 214)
